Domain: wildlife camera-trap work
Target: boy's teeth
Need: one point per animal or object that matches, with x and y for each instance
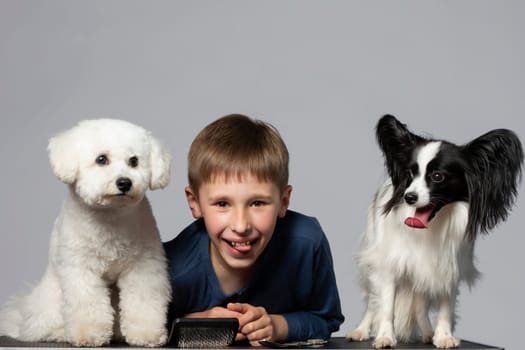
(240, 244)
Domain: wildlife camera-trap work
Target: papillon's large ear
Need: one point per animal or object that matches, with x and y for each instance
(63, 156)
(396, 143)
(160, 165)
(493, 175)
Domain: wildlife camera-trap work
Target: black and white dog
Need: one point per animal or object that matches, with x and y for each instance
(422, 224)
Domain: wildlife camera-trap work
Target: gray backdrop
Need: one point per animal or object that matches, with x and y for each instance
(322, 72)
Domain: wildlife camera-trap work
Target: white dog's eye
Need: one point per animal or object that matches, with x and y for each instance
(102, 160)
(133, 162)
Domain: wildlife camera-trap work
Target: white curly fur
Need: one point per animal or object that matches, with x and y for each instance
(107, 273)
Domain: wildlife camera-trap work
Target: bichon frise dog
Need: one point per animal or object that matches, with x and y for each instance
(107, 274)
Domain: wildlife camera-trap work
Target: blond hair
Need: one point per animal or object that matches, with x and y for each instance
(236, 145)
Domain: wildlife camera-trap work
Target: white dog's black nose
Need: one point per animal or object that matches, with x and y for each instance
(124, 184)
(411, 197)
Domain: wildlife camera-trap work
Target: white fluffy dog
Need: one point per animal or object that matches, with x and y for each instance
(107, 274)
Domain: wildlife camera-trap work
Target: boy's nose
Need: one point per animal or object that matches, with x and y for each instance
(240, 222)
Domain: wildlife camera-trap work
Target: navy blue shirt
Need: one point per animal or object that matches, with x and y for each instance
(294, 277)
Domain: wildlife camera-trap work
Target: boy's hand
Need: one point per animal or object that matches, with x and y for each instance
(216, 312)
(256, 324)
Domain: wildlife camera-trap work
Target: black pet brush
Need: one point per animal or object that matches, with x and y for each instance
(203, 332)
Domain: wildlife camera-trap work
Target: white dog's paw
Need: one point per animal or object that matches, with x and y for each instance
(358, 335)
(384, 342)
(146, 336)
(445, 341)
(89, 334)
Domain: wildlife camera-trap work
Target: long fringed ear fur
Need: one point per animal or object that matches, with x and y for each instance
(160, 165)
(495, 169)
(62, 152)
(397, 144)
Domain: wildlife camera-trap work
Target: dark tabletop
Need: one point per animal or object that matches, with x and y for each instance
(333, 343)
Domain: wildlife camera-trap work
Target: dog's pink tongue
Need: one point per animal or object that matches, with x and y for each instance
(420, 218)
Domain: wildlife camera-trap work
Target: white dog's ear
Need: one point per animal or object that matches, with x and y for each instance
(160, 165)
(63, 156)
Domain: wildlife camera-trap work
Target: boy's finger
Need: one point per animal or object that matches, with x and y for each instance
(237, 307)
(240, 337)
(257, 325)
(259, 334)
(223, 312)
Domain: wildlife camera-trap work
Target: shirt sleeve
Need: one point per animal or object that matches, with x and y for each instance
(324, 313)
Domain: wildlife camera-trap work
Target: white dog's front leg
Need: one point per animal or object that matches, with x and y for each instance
(385, 336)
(443, 334)
(145, 293)
(88, 315)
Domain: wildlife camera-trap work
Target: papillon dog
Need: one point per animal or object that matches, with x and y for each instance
(418, 245)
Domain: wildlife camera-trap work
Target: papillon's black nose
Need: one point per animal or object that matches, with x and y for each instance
(411, 197)
(124, 184)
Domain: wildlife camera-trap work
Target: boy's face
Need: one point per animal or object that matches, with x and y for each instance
(240, 217)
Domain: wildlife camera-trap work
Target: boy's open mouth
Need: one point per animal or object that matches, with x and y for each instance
(244, 246)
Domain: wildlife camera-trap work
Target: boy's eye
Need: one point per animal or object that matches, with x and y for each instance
(257, 203)
(221, 204)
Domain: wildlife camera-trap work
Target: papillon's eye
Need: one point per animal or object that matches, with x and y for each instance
(437, 177)
(133, 162)
(102, 160)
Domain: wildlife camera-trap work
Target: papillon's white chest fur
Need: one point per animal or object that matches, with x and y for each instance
(418, 245)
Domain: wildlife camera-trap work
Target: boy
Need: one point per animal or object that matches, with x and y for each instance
(247, 256)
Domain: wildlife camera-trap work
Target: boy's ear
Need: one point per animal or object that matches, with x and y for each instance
(193, 203)
(285, 201)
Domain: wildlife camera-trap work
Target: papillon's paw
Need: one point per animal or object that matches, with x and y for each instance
(426, 339)
(384, 342)
(358, 334)
(445, 341)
